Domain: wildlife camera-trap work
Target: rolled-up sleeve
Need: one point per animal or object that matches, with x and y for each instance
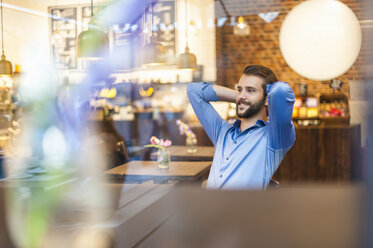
(281, 99)
(200, 94)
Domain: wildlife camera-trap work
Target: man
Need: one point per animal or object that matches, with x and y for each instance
(248, 153)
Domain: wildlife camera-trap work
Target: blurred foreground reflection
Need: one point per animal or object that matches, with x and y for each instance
(61, 188)
(167, 215)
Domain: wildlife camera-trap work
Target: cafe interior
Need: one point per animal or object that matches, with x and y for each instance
(100, 146)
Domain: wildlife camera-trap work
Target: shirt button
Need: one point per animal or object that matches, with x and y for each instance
(235, 142)
(221, 176)
(227, 158)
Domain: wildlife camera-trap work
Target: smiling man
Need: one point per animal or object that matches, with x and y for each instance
(247, 153)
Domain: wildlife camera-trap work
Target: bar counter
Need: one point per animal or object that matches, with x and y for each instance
(323, 153)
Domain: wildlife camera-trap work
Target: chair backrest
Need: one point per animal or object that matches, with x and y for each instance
(122, 150)
(274, 184)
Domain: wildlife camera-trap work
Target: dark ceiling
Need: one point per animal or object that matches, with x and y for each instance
(247, 7)
(127, 11)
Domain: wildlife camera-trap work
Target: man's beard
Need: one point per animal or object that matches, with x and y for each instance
(253, 108)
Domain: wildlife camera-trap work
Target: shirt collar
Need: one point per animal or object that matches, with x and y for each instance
(237, 123)
(259, 123)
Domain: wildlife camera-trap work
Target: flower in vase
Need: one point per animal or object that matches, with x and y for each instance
(163, 153)
(165, 143)
(185, 129)
(154, 140)
(190, 133)
(191, 139)
(159, 143)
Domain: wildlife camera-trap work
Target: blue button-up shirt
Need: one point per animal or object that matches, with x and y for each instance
(246, 159)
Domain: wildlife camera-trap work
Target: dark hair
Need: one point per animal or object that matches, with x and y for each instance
(263, 72)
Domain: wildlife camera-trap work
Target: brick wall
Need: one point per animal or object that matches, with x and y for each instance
(262, 46)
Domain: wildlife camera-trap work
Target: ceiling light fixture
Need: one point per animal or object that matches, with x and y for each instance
(187, 60)
(92, 43)
(241, 28)
(6, 67)
(153, 53)
(57, 36)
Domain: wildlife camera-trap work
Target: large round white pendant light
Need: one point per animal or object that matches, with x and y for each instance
(320, 39)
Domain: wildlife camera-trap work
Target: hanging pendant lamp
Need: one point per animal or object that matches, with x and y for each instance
(92, 43)
(187, 60)
(57, 36)
(6, 67)
(241, 28)
(153, 53)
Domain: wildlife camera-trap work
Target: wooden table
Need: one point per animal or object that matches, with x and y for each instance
(140, 171)
(179, 153)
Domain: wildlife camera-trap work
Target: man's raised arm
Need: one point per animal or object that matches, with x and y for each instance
(200, 94)
(225, 94)
(280, 107)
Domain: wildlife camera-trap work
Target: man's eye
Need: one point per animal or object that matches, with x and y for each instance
(239, 90)
(251, 90)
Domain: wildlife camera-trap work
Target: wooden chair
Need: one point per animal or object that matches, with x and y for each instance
(273, 184)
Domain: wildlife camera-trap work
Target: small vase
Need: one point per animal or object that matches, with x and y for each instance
(191, 143)
(163, 158)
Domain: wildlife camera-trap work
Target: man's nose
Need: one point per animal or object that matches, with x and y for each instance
(241, 95)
